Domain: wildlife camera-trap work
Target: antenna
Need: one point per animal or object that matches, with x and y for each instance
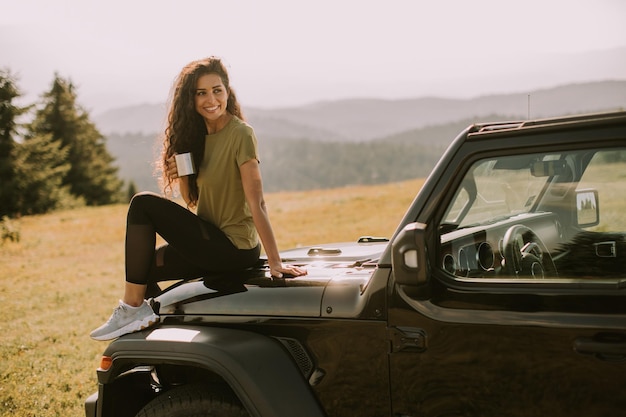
(528, 117)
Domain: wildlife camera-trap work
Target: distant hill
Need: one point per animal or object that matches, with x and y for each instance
(367, 119)
(305, 164)
(354, 142)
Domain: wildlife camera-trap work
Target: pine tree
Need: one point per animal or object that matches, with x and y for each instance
(131, 190)
(8, 145)
(41, 166)
(92, 175)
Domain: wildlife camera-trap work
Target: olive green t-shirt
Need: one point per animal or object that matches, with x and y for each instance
(221, 199)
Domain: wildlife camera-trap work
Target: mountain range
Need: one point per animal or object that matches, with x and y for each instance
(357, 141)
(367, 119)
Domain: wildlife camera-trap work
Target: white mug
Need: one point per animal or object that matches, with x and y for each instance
(184, 164)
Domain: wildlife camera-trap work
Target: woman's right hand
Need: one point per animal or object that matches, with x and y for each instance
(170, 168)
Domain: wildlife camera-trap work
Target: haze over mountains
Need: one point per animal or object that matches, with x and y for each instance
(359, 141)
(367, 119)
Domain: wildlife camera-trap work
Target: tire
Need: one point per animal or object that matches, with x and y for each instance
(194, 401)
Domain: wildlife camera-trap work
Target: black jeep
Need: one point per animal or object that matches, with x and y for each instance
(502, 293)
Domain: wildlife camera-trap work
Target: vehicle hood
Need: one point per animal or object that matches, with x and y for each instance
(337, 276)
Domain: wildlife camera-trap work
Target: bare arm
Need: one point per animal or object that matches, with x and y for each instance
(183, 182)
(183, 187)
(253, 189)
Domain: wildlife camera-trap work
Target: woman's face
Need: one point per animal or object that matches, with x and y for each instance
(211, 97)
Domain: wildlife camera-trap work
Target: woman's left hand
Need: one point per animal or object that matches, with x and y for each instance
(286, 271)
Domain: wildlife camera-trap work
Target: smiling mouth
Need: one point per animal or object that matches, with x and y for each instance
(211, 109)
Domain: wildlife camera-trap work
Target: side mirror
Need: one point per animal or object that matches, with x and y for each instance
(587, 208)
(409, 260)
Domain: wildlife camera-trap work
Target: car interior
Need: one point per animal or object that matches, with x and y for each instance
(539, 216)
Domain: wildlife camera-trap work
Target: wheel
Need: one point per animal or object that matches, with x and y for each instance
(194, 401)
(525, 255)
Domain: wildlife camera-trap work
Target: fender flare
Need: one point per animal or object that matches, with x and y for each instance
(258, 369)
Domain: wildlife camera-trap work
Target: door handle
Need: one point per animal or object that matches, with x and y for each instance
(608, 347)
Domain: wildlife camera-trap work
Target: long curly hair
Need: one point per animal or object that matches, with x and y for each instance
(186, 130)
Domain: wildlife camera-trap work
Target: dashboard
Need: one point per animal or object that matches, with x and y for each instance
(477, 251)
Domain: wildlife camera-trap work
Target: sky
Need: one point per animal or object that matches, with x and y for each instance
(295, 52)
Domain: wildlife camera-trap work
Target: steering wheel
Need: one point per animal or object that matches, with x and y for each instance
(525, 255)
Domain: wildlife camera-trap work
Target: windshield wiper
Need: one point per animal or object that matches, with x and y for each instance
(447, 227)
(484, 223)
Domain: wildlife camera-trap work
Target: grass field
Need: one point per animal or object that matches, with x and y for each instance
(65, 275)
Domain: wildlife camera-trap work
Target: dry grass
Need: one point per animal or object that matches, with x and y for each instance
(65, 275)
(339, 215)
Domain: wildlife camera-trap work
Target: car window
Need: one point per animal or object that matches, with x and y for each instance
(551, 216)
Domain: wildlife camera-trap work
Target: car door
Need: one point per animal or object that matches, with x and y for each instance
(524, 311)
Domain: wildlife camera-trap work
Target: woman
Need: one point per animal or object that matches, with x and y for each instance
(206, 120)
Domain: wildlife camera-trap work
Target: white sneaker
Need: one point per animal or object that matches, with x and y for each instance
(126, 319)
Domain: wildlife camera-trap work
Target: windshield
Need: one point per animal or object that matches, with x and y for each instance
(496, 189)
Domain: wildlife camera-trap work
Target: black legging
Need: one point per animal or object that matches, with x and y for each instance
(194, 246)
